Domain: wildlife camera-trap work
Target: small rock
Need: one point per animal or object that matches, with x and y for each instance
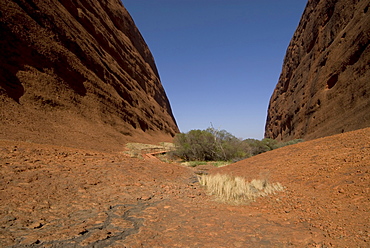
(36, 225)
(83, 232)
(145, 198)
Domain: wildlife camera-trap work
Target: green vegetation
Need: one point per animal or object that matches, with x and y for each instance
(213, 163)
(265, 145)
(220, 145)
(200, 147)
(209, 145)
(237, 190)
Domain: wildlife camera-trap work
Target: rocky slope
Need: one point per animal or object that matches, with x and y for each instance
(324, 86)
(78, 73)
(54, 196)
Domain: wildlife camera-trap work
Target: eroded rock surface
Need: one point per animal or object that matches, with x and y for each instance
(54, 196)
(324, 86)
(78, 73)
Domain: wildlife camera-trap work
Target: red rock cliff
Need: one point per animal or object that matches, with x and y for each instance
(79, 73)
(324, 87)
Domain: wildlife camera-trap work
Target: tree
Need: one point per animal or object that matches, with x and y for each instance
(219, 145)
(209, 145)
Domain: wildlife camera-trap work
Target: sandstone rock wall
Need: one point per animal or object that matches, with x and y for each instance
(324, 87)
(78, 73)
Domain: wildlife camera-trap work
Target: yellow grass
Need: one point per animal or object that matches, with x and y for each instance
(237, 190)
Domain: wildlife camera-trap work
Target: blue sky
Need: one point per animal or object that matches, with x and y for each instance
(219, 60)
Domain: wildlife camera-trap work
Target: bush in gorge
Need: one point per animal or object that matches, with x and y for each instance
(209, 145)
(219, 145)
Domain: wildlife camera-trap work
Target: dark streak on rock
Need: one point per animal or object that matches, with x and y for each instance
(132, 210)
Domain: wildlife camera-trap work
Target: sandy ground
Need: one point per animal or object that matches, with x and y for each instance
(53, 196)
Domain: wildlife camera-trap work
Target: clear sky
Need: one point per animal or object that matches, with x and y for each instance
(219, 60)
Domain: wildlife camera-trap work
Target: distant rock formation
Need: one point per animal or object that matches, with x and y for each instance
(324, 87)
(78, 73)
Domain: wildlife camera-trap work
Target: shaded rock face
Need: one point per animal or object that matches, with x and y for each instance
(324, 87)
(78, 72)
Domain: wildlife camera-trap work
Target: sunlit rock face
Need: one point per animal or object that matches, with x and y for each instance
(324, 86)
(78, 72)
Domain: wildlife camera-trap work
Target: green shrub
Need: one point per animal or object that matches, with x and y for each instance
(260, 146)
(265, 145)
(220, 145)
(209, 145)
(291, 142)
(196, 145)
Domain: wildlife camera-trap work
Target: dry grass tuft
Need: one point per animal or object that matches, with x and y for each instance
(237, 190)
